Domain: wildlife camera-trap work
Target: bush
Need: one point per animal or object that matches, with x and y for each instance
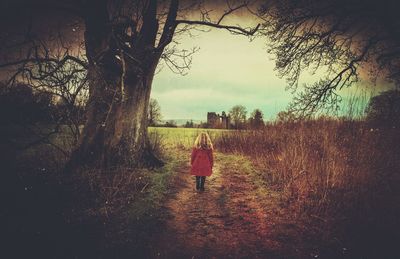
(384, 110)
(19, 105)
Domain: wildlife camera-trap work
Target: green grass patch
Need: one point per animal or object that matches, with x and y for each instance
(153, 193)
(183, 137)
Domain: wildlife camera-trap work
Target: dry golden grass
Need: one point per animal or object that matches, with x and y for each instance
(339, 172)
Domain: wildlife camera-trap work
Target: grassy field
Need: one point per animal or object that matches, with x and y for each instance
(336, 180)
(182, 137)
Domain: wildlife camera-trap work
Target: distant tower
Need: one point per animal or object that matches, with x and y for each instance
(225, 120)
(212, 119)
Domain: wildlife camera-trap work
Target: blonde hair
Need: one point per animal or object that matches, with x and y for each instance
(203, 141)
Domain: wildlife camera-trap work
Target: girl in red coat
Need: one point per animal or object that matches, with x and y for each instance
(202, 159)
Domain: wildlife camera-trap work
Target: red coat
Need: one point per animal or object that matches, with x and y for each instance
(202, 162)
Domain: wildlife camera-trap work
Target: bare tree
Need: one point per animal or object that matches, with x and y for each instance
(123, 43)
(238, 116)
(256, 119)
(344, 38)
(285, 117)
(154, 115)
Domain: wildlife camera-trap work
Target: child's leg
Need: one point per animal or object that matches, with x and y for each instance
(197, 182)
(202, 181)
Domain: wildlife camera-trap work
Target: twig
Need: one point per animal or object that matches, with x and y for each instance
(317, 217)
(144, 187)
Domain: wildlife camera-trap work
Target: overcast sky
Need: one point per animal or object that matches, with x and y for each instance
(227, 70)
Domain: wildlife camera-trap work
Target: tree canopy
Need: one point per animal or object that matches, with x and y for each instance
(345, 38)
(384, 109)
(154, 115)
(238, 115)
(256, 119)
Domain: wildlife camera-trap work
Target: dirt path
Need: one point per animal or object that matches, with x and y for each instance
(225, 221)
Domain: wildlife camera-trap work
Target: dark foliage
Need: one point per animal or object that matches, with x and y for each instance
(384, 110)
(20, 105)
(256, 120)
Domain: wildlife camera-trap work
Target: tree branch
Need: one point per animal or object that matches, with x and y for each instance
(47, 59)
(233, 29)
(170, 25)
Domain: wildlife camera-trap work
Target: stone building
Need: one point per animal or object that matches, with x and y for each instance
(215, 120)
(225, 120)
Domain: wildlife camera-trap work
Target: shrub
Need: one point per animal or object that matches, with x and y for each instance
(384, 110)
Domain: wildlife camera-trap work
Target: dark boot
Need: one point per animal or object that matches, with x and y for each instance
(202, 181)
(198, 182)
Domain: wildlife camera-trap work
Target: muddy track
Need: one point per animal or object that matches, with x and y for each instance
(224, 221)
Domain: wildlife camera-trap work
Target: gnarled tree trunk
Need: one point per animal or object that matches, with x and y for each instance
(116, 127)
(119, 91)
